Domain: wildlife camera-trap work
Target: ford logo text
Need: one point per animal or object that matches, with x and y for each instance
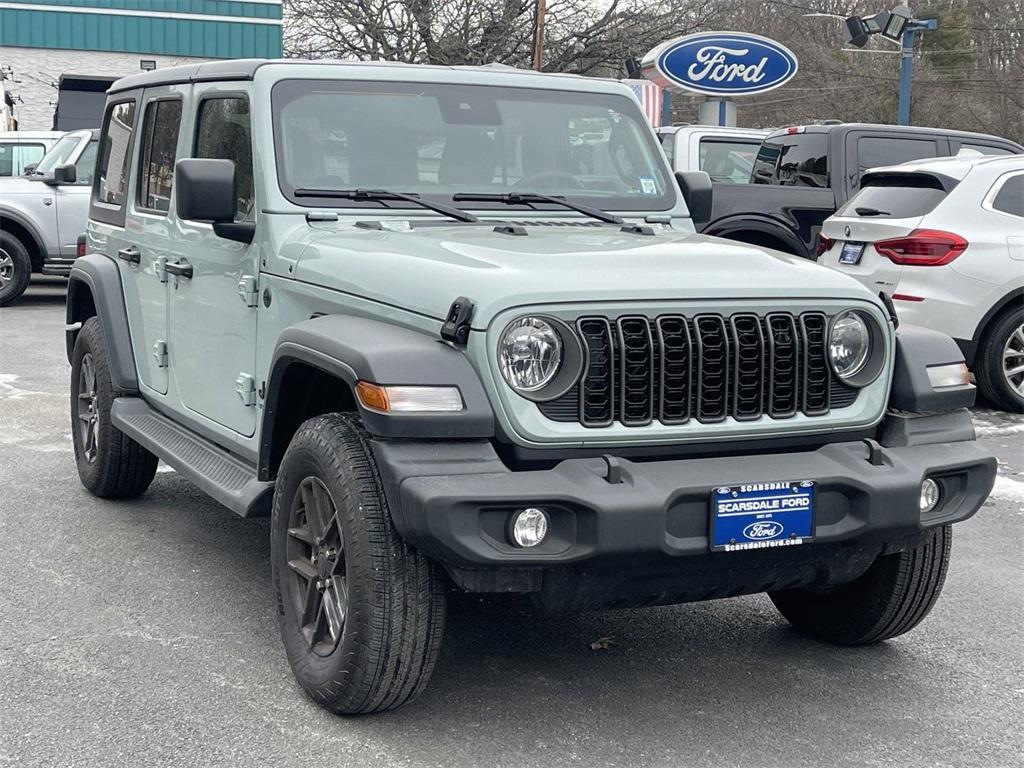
(721, 63)
(765, 529)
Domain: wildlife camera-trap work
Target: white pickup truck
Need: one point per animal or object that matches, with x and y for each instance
(725, 154)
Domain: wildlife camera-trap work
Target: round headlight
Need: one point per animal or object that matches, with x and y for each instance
(849, 344)
(529, 353)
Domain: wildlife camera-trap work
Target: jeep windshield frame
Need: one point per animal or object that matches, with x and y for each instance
(434, 141)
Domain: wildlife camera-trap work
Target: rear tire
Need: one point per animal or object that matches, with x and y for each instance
(892, 597)
(15, 269)
(110, 464)
(999, 367)
(361, 613)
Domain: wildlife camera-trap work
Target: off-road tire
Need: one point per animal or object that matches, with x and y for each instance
(395, 597)
(120, 468)
(989, 363)
(15, 269)
(891, 598)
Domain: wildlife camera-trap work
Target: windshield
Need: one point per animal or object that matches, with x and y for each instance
(439, 140)
(58, 154)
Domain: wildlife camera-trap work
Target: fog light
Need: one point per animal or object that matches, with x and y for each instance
(529, 527)
(929, 495)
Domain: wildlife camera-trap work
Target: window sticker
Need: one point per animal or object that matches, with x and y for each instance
(647, 185)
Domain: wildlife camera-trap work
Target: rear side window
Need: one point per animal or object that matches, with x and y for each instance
(668, 143)
(986, 149)
(159, 145)
(223, 131)
(1010, 197)
(794, 160)
(876, 151)
(729, 162)
(85, 166)
(892, 202)
(115, 155)
(15, 156)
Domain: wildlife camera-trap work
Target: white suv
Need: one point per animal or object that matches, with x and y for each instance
(945, 239)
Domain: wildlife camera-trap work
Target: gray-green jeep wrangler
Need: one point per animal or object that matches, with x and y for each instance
(453, 326)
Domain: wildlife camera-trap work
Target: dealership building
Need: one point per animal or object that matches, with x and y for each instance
(43, 40)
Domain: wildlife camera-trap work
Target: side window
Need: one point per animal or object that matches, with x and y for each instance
(728, 161)
(986, 149)
(14, 156)
(1010, 197)
(115, 154)
(668, 144)
(876, 151)
(796, 160)
(159, 145)
(223, 131)
(85, 166)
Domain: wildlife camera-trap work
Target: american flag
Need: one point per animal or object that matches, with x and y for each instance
(649, 96)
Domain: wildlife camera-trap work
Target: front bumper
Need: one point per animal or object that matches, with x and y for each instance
(454, 501)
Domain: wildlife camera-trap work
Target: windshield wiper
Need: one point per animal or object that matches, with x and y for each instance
(866, 211)
(529, 198)
(383, 195)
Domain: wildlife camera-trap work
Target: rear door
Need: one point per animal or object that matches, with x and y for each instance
(213, 312)
(883, 210)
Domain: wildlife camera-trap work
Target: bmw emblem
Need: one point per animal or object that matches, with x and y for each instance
(846, 230)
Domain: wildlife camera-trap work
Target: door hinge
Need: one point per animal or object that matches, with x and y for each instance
(160, 268)
(160, 353)
(245, 388)
(248, 290)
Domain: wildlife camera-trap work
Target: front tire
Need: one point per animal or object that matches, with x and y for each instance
(361, 613)
(110, 464)
(999, 367)
(15, 269)
(892, 597)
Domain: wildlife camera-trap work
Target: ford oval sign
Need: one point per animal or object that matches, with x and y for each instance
(766, 529)
(721, 63)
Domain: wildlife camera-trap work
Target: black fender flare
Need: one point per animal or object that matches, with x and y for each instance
(356, 349)
(764, 225)
(28, 226)
(918, 348)
(94, 285)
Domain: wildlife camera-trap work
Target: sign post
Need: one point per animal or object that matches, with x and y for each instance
(720, 65)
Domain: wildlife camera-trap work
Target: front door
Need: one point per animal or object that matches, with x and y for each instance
(213, 311)
(72, 202)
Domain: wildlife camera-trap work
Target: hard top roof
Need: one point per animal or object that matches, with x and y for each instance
(245, 69)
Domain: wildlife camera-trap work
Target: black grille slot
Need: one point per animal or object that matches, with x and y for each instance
(636, 371)
(748, 367)
(712, 344)
(816, 370)
(597, 387)
(672, 369)
(675, 387)
(783, 365)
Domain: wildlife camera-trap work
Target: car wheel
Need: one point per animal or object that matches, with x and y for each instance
(15, 269)
(999, 367)
(361, 613)
(891, 598)
(110, 464)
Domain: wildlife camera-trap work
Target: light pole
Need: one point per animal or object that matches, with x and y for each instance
(907, 65)
(538, 39)
(900, 26)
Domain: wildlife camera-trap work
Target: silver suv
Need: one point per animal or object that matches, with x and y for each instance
(43, 214)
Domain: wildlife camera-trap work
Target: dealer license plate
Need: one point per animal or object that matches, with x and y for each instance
(851, 253)
(762, 515)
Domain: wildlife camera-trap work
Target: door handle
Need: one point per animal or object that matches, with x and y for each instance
(179, 269)
(130, 254)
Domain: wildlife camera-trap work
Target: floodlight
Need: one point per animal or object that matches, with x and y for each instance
(856, 33)
(897, 22)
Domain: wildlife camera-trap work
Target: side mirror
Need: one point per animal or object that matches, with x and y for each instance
(205, 190)
(698, 194)
(29, 169)
(64, 174)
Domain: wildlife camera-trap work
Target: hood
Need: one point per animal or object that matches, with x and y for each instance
(425, 268)
(12, 186)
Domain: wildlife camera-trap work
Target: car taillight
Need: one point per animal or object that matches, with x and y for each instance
(824, 243)
(922, 248)
(81, 246)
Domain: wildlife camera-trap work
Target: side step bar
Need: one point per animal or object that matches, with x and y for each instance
(226, 478)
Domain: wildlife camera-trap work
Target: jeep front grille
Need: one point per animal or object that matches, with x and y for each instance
(706, 367)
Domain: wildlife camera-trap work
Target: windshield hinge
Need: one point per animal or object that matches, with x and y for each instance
(312, 216)
(456, 325)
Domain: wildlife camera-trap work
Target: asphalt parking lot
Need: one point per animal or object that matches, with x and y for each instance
(142, 634)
